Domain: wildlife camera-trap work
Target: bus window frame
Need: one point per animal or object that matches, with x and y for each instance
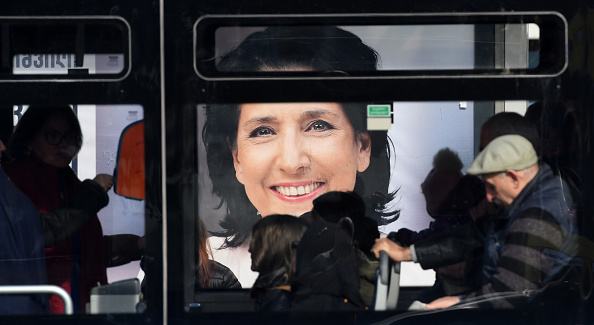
(7, 21)
(549, 22)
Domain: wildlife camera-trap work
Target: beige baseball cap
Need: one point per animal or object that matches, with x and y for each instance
(504, 153)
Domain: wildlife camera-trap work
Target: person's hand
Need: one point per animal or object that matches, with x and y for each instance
(105, 180)
(443, 302)
(395, 251)
(123, 248)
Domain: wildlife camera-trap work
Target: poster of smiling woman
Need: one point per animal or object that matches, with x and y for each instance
(259, 159)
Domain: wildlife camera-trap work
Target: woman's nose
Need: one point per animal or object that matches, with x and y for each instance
(293, 155)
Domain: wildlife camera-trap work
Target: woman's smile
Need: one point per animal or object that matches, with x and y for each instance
(297, 190)
(287, 154)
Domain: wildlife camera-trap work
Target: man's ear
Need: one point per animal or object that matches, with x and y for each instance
(364, 143)
(514, 175)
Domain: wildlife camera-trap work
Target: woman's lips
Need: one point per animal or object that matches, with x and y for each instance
(297, 192)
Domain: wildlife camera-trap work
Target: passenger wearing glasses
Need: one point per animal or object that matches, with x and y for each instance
(44, 143)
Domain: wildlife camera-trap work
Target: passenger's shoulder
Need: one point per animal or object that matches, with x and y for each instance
(222, 276)
(536, 215)
(16, 166)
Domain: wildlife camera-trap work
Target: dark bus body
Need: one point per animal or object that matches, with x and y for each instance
(168, 51)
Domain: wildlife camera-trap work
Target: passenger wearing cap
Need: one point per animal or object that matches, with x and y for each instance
(506, 165)
(524, 246)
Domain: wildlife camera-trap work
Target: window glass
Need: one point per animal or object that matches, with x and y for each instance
(113, 239)
(92, 48)
(478, 45)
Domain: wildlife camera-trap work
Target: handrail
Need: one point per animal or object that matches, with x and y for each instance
(387, 284)
(41, 289)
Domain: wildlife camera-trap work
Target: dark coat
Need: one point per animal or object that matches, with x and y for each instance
(221, 277)
(327, 276)
(21, 254)
(78, 263)
(273, 300)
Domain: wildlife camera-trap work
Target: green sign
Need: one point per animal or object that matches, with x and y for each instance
(378, 110)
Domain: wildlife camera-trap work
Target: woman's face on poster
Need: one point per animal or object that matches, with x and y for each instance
(287, 154)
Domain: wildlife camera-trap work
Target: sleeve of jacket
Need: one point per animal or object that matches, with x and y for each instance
(449, 247)
(64, 221)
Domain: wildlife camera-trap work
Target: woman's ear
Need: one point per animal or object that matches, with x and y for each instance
(236, 163)
(364, 142)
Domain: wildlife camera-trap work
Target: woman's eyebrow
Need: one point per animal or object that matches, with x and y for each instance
(317, 113)
(260, 120)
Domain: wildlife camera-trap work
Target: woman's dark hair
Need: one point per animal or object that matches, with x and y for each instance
(273, 248)
(32, 121)
(326, 48)
(295, 48)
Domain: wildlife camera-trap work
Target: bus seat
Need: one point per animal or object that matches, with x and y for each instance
(128, 175)
(117, 297)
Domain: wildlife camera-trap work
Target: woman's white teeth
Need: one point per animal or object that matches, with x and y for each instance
(299, 190)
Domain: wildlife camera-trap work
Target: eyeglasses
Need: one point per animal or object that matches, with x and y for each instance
(54, 137)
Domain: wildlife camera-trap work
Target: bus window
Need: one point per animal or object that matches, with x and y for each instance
(400, 167)
(276, 157)
(122, 220)
(93, 48)
(435, 47)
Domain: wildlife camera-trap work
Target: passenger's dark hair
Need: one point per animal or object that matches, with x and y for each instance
(512, 123)
(32, 121)
(335, 205)
(447, 160)
(561, 118)
(325, 48)
(467, 193)
(273, 248)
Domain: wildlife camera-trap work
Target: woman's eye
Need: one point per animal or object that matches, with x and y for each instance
(261, 132)
(320, 126)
